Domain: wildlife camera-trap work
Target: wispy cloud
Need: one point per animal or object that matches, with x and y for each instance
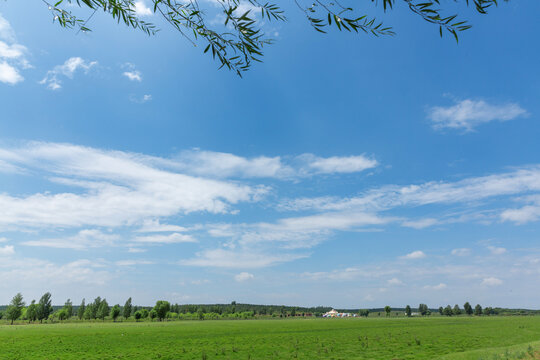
(468, 114)
(153, 225)
(461, 252)
(7, 250)
(68, 69)
(113, 188)
(131, 72)
(141, 9)
(339, 164)
(84, 239)
(13, 56)
(492, 281)
(496, 250)
(519, 181)
(173, 238)
(133, 75)
(524, 214)
(418, 254)
(243, 276)
(440, 286)
(219, 164)
(238, 259)
(133, 262)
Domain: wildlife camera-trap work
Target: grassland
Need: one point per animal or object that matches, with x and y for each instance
(416, 338)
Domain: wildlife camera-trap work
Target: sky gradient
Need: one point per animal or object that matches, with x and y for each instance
(345, 170)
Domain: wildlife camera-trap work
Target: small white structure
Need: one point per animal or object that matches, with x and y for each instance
(333, 313)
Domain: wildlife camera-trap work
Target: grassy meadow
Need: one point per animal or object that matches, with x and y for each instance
(457, 338)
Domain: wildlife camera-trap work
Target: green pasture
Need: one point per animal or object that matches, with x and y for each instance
(460, 338)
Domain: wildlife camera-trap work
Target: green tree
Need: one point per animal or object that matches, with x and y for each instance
(144, 313)
(31, 311)
(441, 310)
(423, 309)
(364, 313)
(162, 307)
(127, 309)
(81, 309)
(103, 310)
(448, 311)
(68, 306)
(44, 308)
(138, 315)
(95, 307)
(387, 310)
(408, 310)
(62, 314)
(115, 312)
(478, 310)
(468, 308)
(89, 312)
(200, 314)
(152, 314)
(456, 310)
(239, 40)
(14, 309)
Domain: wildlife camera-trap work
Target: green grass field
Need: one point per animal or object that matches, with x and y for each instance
(486, 338)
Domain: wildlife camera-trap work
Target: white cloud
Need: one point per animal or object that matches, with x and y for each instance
(140, 99)
(337, 164)
(133, 262)
(394, 281)
(12, 55)
(440, 286)
(238, 259)
(153, 225)
(141, 9)
(133, 75)
(243, 276)
(200, 282)
(7, 250)
(496, 250)
(84, 239)
(418, 254)
(34, 273)
(461, 252)
(222, 165)
(491, 281)
(468, 114)
(522, 180)
(420, 224)
(6, 31)
(113, 189)
(136, 250)
(68, 69)
(351, 274)
(3, 239)
(525, 214)
(173, 238)
(296, 232)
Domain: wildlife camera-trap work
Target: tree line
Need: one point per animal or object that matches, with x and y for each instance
(99, 309)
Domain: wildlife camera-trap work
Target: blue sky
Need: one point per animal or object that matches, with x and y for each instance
(345, 170)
